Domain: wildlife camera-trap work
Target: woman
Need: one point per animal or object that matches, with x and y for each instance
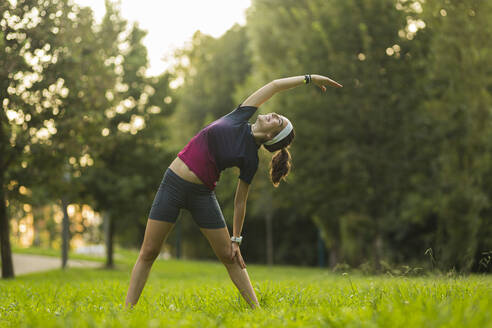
(190, 180)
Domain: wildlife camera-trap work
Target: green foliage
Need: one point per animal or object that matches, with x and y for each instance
(78, 99)
(50, 61)
(122, 183)
(459, 105)
(404, 143)
(353, 159)
(211, 70)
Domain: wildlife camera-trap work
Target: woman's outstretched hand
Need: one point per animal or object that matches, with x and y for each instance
(321, 81)
(236, 255)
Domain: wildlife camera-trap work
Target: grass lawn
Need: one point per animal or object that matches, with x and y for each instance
(200, 294)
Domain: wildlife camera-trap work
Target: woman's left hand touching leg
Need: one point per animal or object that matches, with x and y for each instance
(236, 255)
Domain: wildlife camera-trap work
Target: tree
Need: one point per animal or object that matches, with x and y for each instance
(351, 156)
(128, 147)
(459, 103)
(39, 41)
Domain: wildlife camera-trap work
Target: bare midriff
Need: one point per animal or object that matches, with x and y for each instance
(181, 169)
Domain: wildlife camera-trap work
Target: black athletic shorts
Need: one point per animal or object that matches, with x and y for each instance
(176, 193)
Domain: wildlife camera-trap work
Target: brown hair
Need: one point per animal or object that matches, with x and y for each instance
(280, 164)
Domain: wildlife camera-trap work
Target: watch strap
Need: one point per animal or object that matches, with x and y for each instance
(237, 240)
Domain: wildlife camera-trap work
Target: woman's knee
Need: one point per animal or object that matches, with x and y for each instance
(149, 253)
(225, 254)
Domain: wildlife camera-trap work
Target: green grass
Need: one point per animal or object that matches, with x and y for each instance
(200, 294)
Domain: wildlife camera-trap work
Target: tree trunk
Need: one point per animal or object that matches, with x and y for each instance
(333, 255)
(269, 236)
(65, 232)
(109, 233)
(51, 227)
(321, 250)
(36, 214)
(378, 251)
(7, 264)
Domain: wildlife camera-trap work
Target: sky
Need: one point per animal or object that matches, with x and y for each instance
(171, 23)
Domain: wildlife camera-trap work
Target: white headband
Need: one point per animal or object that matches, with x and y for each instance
(282, 134)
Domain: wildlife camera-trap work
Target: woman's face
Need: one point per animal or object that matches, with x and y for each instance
(271, 124)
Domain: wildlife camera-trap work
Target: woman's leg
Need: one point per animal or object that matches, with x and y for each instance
(155, 234)
(220, 241)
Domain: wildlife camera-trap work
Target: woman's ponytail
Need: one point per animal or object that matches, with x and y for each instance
(279, 166)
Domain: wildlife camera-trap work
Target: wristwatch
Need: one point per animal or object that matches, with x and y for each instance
(237, 240)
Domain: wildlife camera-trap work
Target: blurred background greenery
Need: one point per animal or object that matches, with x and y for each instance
(393, 169)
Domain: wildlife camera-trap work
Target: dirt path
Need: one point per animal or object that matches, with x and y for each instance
(27, 263)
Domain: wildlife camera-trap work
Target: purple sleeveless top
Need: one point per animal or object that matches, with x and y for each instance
(224, 143)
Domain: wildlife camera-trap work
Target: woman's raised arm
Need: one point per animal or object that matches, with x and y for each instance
(268, 90)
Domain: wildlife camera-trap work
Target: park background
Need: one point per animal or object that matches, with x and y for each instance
(391, 173)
